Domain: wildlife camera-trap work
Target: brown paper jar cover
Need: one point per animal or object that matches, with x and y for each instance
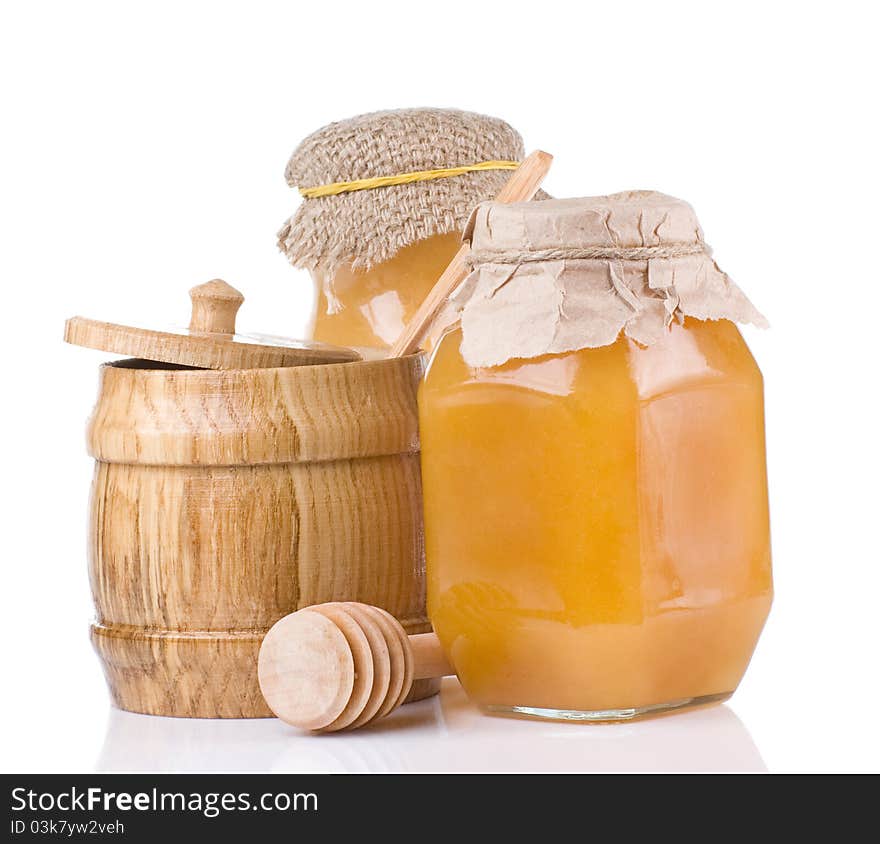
(568, 274)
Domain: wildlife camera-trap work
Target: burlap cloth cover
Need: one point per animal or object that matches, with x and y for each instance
(569, 274)
(368, 227)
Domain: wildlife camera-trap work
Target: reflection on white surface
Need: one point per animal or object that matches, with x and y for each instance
(446, 733)
(147, 743)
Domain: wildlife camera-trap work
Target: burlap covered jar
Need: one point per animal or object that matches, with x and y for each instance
(594, 481)
(386, 197)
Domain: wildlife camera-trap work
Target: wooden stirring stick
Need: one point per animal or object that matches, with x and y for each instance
(340, 666)
(521, 187)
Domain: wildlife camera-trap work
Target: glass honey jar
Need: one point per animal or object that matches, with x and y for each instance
(371, 307)
(593, 465)
(386, 196)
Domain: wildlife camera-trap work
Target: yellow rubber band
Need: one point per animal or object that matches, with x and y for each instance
(404, 178)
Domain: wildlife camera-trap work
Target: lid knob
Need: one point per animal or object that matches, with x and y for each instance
(210, 343)
(214, 306)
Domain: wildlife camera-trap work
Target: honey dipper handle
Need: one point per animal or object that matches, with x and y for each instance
(520, 187)
(429, 661)
(214, 307)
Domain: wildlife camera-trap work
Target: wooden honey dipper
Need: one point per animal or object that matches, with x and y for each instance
(342, 665)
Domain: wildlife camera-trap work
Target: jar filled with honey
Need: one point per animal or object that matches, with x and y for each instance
(385, 199)
(593, 465)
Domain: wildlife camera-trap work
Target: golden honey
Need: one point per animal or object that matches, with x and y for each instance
(370, 308)
(374, 238)
(596, 522)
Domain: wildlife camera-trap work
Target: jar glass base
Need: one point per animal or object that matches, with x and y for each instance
(606, 715)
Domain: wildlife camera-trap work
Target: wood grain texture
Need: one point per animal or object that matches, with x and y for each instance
(201, 350)
(210, 342)
(254, 416)
(222, 501)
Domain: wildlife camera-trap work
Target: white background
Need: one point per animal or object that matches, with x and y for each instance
(143, 153)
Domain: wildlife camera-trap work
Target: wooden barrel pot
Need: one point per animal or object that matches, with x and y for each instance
(224, 500)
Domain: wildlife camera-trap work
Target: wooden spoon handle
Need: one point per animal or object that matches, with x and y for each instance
(520, 187)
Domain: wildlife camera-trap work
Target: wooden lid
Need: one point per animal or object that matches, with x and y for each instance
(209, 343)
